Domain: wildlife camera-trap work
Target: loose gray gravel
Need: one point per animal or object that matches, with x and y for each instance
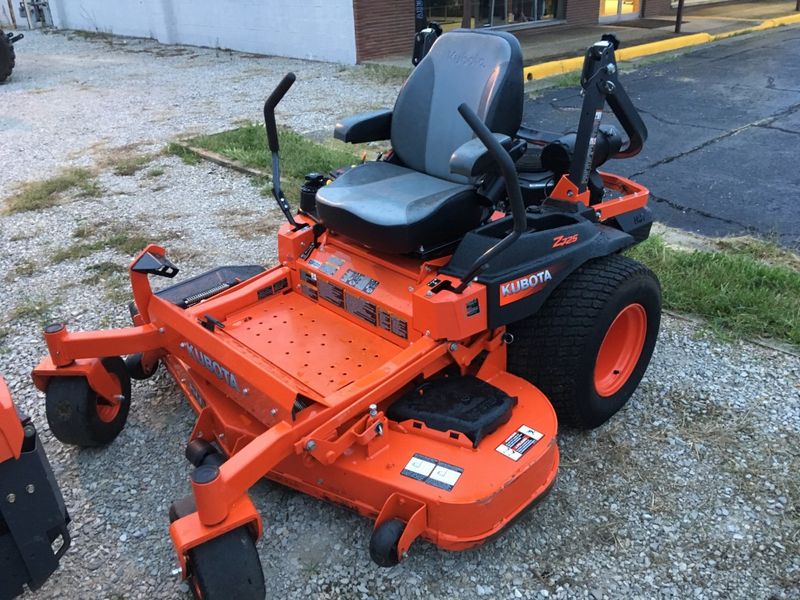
(691, 491)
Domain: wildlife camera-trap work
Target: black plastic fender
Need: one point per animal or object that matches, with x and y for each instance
(521, 278)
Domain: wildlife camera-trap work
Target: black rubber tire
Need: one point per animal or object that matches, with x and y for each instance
(383, 543)
(71, 407)
(133, 363)
(556, 349)
(8, 57)
(227, 567)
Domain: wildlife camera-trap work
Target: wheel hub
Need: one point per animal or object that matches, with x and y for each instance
(620, 350)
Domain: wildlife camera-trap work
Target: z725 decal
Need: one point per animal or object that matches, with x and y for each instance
(564, 240)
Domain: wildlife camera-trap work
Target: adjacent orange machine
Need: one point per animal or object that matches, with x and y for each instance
(431, 313)
(33, 519)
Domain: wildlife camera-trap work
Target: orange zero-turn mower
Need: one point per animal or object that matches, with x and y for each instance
(33, 518)
(426, 322)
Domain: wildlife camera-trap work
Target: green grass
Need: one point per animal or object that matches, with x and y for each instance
(38, 309)
(103, 271)
(24, 268)
(299, 155)
(760, 250)
(383, 74)
(187, 156)
(124, 240)
(127, 166)
(155, 172)
(567, 80)
(111, 276)
(736, 291)
(50, 192)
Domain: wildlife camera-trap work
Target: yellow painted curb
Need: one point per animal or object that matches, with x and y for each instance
(787, 20)
(570, 65)
(664, 46)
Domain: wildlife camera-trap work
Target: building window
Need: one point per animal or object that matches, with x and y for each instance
(451, 14)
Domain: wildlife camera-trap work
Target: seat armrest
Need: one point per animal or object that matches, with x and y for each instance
(472, 158)
(366, 127)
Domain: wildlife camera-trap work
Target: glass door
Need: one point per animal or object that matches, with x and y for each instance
(618, 10)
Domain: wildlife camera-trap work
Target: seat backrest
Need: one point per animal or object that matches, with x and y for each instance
(481, 68)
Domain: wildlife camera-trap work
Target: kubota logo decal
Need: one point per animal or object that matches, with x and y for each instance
(523, 287)
(213, 366)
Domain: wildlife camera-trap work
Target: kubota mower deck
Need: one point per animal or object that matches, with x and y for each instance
(316, 336)
(428, 318)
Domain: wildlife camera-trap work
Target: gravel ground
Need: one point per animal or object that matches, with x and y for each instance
(691, 491)
(69, 101)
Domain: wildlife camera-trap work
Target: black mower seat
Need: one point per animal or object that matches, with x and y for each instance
(395, 209)
(416, 203)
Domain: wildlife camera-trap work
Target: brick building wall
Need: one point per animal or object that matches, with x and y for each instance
(655, 8)
(383, 28)
(582, 12)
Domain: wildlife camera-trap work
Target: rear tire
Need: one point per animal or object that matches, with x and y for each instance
(588, 347)
(79, 416)
(226, 567)
(7, 57)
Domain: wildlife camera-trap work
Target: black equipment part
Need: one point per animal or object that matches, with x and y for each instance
(208, 284)
(539, 250)
(465, 404)
(272, 140)
(8, 57)
(535, 186)
(509, 173)
(601, 84)
(308, 193)
(557, 158)
(423, 40)
(33, 522)
(155, 264)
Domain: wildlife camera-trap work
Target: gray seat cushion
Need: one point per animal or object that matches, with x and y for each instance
(397, 210)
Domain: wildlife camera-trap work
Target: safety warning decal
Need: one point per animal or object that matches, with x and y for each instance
(331, 292)
(361, 308)
(519, 442)
(433, 472)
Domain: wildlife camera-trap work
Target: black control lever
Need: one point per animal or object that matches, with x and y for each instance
(509, 172)
(272, 140)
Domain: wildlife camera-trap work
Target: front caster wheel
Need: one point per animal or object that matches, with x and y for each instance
(137, 370)
(383, 543)
(78, 415)
(226, 567)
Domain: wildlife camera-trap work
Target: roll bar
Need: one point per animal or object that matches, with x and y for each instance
(600, 83)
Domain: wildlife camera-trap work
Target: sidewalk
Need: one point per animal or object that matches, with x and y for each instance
(543, 44)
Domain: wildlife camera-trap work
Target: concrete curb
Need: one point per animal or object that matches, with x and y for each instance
(570, 65)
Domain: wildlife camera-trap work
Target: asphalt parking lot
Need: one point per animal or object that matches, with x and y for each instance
(724, 124)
